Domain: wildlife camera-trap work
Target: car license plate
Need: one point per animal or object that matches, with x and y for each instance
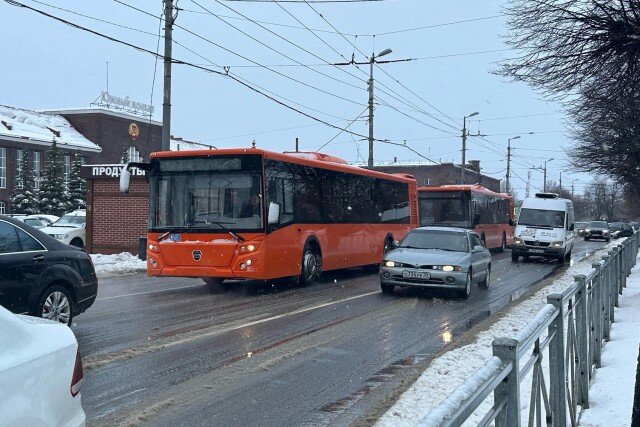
(408, 274)
(536, 251)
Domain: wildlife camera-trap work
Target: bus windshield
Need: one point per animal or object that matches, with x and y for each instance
(207, 193)
(445, 208)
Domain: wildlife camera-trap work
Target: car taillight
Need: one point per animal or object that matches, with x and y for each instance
(76, 379)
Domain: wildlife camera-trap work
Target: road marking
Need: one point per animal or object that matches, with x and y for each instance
(149, 292)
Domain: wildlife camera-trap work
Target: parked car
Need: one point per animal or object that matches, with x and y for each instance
(620, 229)
(40, 372)
(438, 258)
(580, 227)
(41, 276)
(47, 220)
(33, 222)
(597, 230)
(70, 228)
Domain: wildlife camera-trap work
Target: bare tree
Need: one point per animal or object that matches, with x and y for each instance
(568, 45)
(605, 199)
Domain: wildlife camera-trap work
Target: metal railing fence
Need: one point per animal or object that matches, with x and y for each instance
(574, 325)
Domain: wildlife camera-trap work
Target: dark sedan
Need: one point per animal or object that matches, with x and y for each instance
(597, 230)
(41, 276)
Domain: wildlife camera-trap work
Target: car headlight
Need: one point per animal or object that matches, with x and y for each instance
(447, 267)
(557, 244)
(586, 230)
(60, 236)
(389, 263)
(517, 240)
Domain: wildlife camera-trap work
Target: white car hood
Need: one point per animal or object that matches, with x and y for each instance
(59, 230)
(540, 234)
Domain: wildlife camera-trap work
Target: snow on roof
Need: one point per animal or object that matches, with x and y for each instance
(180, 144)
(32, 126)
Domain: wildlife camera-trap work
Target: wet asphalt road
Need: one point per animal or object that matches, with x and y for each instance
(171, 352)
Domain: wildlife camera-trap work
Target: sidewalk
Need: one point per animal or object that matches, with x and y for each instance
(611, 392)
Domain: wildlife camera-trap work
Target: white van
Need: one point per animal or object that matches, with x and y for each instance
(545, 227)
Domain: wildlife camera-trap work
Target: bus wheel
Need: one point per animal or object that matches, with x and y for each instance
(310, 266)
(503, 247)
(216, 284)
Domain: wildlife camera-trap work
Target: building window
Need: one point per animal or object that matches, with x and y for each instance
(19, 183)
(67, 170)
(36, 170)
(2, 208)
(3, 168)
(427, 181)
(133, 155)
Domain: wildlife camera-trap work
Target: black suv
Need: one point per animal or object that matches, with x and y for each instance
(42, 276)
(597, 230)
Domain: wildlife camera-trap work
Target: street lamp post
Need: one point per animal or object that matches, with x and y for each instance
(509, 161)
(372, 61)
(544, 185)
(464, 145)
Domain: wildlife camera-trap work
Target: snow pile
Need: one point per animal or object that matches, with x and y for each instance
(611, 392)
(447, 372)
(26, 124)
(118, 264)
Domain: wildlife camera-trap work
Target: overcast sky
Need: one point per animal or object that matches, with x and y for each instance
(49, 65)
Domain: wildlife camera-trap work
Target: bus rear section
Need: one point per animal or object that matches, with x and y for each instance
(254, 214)
(469, 206)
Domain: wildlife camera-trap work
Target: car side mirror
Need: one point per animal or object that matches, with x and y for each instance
(395, 244)
(512, 222)
(478, 249)
(572, 227)
(273, 216)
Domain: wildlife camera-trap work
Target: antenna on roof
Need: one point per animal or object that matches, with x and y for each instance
(253, 144)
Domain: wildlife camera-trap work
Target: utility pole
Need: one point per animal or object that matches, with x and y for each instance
(465, 133)
(544, 185)
(509, 161)
(169, 18)
(560, 180)
(371, 61)
(528, 182)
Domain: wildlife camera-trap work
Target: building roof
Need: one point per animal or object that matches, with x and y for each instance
(38, 128)
(103, 110)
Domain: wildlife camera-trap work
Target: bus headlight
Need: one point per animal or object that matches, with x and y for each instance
(248, 248)
(154, 248)
(248, 262)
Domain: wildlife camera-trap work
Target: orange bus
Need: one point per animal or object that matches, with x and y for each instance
(255, 214)
(470, 206)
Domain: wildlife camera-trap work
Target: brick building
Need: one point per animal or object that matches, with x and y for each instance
(115, 220)
(442, 174)
(97, 135)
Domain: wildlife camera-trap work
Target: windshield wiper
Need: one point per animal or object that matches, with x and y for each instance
(238, 237)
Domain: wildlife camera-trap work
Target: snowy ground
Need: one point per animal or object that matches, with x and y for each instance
(450, 370)
(117, 265)
(611, 393)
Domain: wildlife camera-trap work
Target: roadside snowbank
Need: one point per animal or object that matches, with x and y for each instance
(450, 370)
(121, 264)
(611, 393)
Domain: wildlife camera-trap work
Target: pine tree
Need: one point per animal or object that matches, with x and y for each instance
(77, 187)
(52, 196)
(25, 199)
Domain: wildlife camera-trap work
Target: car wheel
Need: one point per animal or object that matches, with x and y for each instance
(56, 304)
(216, 283)
(514, 256)
(561, 259)
(503, 247)
(487, 280)
(387, 289)
(310, 269)
(77, 242)
(464, 293)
